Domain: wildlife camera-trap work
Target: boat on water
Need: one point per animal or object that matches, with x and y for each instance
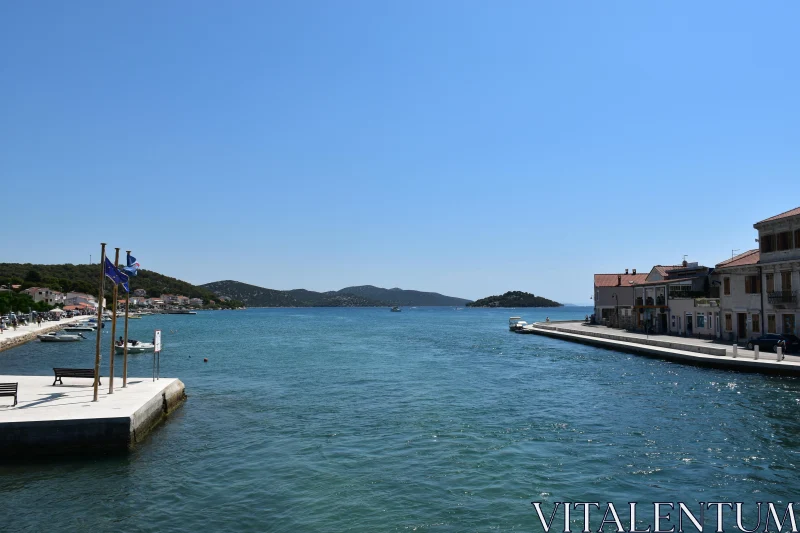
(134, 347)
(396, 309)
(80, 327)
(516, 323)
(180, 312)
(52, 337)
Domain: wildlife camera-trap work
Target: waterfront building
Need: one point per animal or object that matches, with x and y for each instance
(80, 298)
(741, 298)
(613, 297)
(759, 287)
(139, 292)
(196, 302)
(779, 243)
(678, 299)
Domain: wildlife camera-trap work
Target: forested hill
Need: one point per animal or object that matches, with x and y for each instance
(362, 296)
(254, 296)
(86, 278)
(404, 297)
(515, 299)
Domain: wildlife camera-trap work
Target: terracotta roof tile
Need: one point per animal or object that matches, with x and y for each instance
(610, 280)
(789, 213)
(750, 257)
(663, 269)
(664, 281)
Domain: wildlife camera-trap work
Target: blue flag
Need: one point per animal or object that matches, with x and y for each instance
(114, 274)
(132, 267)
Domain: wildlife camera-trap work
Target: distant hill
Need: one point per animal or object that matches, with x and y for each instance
(515, 299)
(255, 296)
(86, 278)
(404, 297)
(363, 296)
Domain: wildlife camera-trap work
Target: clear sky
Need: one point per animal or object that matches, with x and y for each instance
(462, 147)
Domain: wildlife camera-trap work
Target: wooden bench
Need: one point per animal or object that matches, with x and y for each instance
(73, 373)
(9, 389)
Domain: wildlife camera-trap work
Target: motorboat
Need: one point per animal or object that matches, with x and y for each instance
(515, 323)
(52, 337)
(396, 309)
(134, 347)
(80, 327)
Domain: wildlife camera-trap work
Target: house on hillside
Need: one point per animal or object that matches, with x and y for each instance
(42, 294)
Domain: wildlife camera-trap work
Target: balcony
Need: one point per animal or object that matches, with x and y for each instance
(783, 298)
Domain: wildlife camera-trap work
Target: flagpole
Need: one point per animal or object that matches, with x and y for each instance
(127, 307)
(99, 319)
(113, 331)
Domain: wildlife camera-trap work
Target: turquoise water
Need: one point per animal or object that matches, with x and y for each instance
(428, 420)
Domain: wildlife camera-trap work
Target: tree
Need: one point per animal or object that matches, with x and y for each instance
(34, 276)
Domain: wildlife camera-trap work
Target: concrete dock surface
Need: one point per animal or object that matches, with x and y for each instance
(62, 419)
(706, 352)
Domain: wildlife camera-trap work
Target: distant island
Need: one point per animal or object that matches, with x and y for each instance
(514, 299)
(358, 296)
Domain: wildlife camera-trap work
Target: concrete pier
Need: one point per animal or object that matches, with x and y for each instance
(693, 351)
(62, 419)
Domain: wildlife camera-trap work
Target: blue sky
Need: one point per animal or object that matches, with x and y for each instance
(467, 148)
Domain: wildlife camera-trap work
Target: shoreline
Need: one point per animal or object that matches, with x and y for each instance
(11, 338)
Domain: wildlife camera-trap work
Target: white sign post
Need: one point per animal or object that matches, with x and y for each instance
(157, 355)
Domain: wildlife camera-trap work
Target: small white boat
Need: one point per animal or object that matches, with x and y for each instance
(138, 347)
(516, 323)
(52, 337)
(80, 327)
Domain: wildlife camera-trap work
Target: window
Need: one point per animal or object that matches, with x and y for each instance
(767, 243)
(680, 291)
(726, 284)
(788, 324)
(728, 321)
(770, 323)
(797, 238)
(770, 282)
(784, 240)
(786, 281)
(756, 323)
(701, 320)
(752, 285)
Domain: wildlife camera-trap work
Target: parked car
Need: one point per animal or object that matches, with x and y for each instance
(771, 341)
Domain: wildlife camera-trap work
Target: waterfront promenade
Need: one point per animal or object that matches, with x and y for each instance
(14, 337)
(707, 352)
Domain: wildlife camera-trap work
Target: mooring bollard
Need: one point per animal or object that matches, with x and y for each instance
(735, 350)
(755, 351)
(780, 354)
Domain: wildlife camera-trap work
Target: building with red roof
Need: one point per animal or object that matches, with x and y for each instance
(760, 286)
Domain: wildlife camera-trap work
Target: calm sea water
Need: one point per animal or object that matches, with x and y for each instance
(430, 419)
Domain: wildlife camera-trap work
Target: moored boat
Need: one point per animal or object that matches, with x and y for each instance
(134, 347)
(516, 323)
(52, 337)
(396, 309)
